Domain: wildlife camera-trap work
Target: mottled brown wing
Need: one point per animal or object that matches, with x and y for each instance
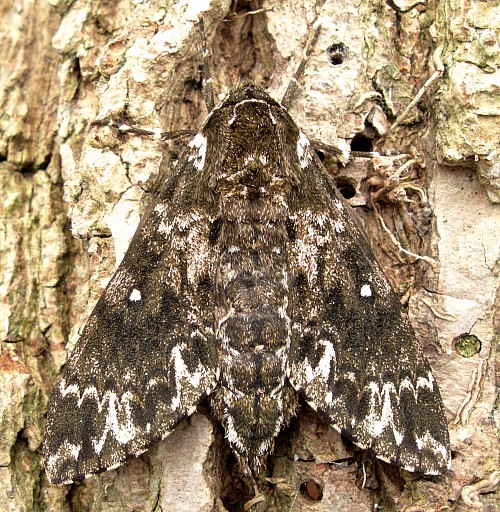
(146, 356)
(354, 355)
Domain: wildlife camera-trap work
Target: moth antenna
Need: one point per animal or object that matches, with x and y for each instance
(155, 133)
(312, 38)
(207, 82)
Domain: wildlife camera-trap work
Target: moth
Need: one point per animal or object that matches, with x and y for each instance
(248, 282)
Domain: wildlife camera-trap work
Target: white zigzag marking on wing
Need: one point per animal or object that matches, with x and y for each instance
(124, 431)
(182, 373)
(324, 365)
(429, 442)
(422, 382)
(66, 450)
(376, 422)
(426, 383)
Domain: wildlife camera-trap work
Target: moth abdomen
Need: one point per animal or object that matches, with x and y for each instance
(254, 337)
(251, 298)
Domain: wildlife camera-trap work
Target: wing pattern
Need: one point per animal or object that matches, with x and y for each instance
(354, 355)
(147, 354)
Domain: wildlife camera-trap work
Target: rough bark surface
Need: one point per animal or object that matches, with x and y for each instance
(425, 182)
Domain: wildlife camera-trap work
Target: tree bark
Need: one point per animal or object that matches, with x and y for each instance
(423, 178)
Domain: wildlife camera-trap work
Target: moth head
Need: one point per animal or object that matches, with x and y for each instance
(246, 90)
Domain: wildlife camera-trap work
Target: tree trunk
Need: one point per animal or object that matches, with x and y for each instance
(424, 181)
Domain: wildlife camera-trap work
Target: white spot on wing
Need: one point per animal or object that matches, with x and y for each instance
(366, 291)
(198, 158)
(303, 150)
(135, 295)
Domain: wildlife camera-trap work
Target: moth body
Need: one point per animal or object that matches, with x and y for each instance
(251, 292)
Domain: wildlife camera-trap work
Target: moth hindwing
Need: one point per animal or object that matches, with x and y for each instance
(247, 280)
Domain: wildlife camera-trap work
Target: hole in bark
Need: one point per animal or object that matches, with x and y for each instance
(361, 142)
(346, 188)
(467, 345)
(337, 53)
(312, 490)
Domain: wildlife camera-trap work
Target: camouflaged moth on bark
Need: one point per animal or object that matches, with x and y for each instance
(247, 281)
